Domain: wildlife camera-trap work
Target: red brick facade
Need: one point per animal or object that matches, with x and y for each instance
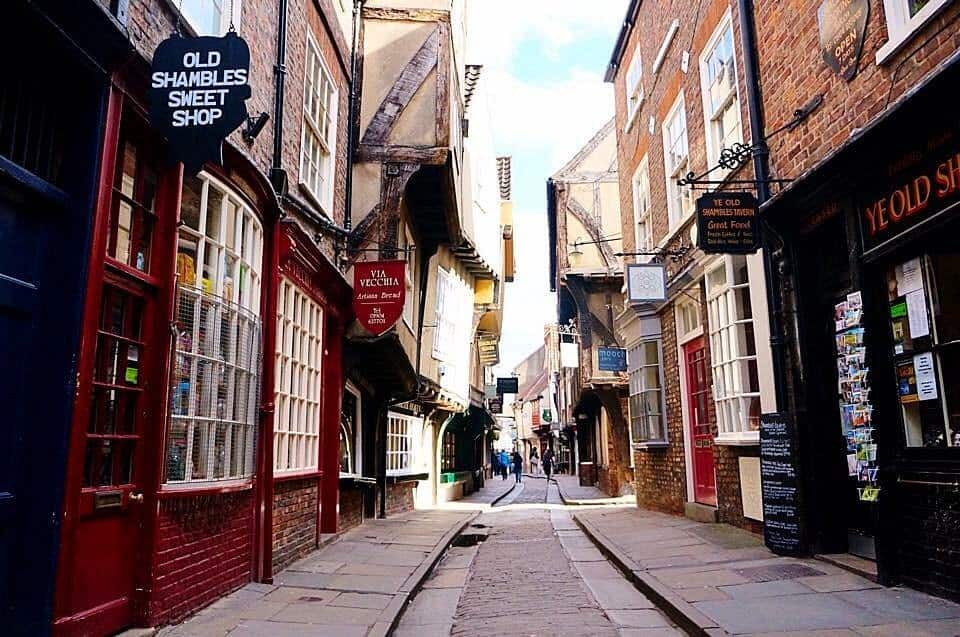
(295, 519)
(399, 498)
(351, 508)
(204, 547)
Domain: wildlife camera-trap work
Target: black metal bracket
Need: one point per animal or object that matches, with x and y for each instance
(675, 255)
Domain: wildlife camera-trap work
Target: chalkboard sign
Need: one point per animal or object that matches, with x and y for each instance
(778, 473)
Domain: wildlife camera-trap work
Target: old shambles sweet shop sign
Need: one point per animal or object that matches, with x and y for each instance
(198, 87)
(379, 291)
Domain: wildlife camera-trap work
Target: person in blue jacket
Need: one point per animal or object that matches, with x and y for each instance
(504, 464)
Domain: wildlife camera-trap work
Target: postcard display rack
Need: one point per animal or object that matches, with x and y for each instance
(854, 389)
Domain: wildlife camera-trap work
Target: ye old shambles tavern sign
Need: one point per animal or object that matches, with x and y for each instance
(198, 87)
(728, 223)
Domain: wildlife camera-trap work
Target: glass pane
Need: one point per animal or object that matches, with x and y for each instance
(214, 208)
(124, 226)
(190, 202)
(916, 5)
(128, 170)
(187, 248)
(945, 270)
(199, 455)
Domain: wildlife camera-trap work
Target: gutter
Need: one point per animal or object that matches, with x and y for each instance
(629, 21)
(352, 114)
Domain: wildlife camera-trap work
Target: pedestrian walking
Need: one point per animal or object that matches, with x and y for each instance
(534, 461)
(504, 464)
(517, 460)
(494, 464)
(548, 460)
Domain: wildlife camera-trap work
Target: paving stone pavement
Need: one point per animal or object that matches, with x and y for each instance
(536, 574)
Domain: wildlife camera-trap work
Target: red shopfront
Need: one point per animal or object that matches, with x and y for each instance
(160, 514)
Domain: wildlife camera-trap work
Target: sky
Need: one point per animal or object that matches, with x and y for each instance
(543, 62)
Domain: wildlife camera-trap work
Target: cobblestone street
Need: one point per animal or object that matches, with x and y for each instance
(536, 573)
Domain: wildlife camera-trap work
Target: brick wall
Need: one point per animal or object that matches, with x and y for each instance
(928, 537)
(400, 498)
(617, 477)
(793, 71)
(660, 473)
(294, 520)
(204, 550)
(729, 500)
(351, 508)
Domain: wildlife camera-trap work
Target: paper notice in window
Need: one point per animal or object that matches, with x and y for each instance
(917, 313)
(912, 278)
(926, 378)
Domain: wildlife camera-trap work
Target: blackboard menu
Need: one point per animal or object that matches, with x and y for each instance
(778, 472)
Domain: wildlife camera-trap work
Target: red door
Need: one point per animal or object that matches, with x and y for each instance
(120, 394)
(701, 430)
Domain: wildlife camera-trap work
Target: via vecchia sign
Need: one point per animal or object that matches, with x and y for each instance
(198, 87)
(379, 290)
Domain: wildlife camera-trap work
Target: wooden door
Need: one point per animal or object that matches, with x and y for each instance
(701, 429)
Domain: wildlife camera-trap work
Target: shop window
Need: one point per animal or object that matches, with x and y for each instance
(676, 159)
(924, 295)
(401, 437)
(733, 351)
(904, 19)
(641, 210)
(350, 432)
(317, 147)
(449, 454)
(210, 17)
(299, 361)
(132, 211)
(634, 86)
(216, 372)
(647, 424)
(721, 106)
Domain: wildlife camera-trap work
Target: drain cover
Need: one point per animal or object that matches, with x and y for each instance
(777, 572)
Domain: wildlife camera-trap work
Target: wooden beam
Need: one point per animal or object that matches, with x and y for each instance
(412, 15)
(402, 154)
(443, 85)
(589, 222)
(411, 78)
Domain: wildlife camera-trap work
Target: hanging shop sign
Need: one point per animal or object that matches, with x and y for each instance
(569, 355)
(728, 223)
(488, 349)
(780, 484)
(378, 294)
(198, 87)
(843, 27)
(508, 385)
(646, 282)
(495, 405)
(612, 359)
(547, 416)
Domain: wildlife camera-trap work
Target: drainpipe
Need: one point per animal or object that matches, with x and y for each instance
(277, 176)
(352, 139)
(761, 167)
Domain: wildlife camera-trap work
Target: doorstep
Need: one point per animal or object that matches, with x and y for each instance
(701, 512)
(856, 565)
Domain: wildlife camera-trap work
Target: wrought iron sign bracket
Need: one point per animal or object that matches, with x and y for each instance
(675, 255)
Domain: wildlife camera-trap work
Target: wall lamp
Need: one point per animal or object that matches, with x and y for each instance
(254, 126)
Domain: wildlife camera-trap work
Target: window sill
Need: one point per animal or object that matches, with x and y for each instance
(394, 478)
(203, 488)
(632, 117)
(297, 475)
(312, 198)
(652, 445)
(909, 30)
(675, 229)
(744, 439)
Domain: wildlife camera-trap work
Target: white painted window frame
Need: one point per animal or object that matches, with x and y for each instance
(901, 27)
(634, 87)
(402, 442)
(727, 363)
(319, 185)
(356, 453)
(409, 302)
(191, 19)
(732, 100)
(674, 171)
(640, 185)
(299, 397)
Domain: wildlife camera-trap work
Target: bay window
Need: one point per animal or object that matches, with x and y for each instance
(318, 142)
(641, 210)
(676, 160)
(299, 361)
(647, 422)
(733, 351)
(216, 372)
(721, 105)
